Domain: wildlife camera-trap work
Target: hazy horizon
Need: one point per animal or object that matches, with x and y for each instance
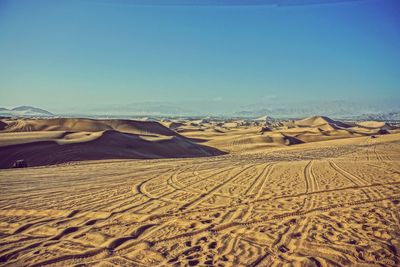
(276, 108)
(79, 56)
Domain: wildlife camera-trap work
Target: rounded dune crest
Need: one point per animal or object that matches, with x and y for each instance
(317, 121)
(54, 141)
(371, 124)
(88, 125)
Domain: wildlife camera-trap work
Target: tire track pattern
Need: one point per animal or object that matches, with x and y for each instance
(236, 211)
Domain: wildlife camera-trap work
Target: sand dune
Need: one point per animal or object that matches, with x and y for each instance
(101, 145)
(2, 125)
(331, 203)
(317, 121)
(242, 136)
(173, 125)
(371, 124)
(88, 139)
(54, 141)
(87, 125)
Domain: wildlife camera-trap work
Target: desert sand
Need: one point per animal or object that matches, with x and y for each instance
(311, 192)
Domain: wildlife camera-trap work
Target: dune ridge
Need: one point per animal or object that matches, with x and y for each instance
(60, 140)
(316, 121)
(53, 141)
(87, 125)
(264, 133)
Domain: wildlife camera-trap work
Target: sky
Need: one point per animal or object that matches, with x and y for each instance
(82, 55)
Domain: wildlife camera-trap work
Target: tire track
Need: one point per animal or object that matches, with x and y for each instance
(296, 214)
(311, 187)
(257, 186)
(261, 259)
(207, 195)
(180, 214)
(388, 170)
(305, 212)
(113, 248)
(369, 192)
(174, 182)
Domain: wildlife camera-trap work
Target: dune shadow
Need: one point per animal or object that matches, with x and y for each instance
(110, 145)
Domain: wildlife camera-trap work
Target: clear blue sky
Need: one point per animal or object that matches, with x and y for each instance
(63, 54)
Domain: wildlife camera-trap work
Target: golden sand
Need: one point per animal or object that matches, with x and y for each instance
(266, 203)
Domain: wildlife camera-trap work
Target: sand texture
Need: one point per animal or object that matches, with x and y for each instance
(314, 192)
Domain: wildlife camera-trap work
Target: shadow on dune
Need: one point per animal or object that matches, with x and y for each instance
(110, 145)
(197, 140)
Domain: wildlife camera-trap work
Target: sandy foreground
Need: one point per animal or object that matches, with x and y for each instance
(332, 202)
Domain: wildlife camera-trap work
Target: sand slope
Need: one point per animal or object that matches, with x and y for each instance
(87, 125)
(371, 124)
(331, 203)
(46, 142)
(317, 121)
(255, 136)
(88, 139)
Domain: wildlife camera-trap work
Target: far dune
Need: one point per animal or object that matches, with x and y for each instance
(254, 136)
(87, 125)
(54, 141)
(372, 124)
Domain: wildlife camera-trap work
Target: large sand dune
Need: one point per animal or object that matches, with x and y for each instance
(318, 121)
(252, 137)
(274, 200)
(87, 125)
(53, 141)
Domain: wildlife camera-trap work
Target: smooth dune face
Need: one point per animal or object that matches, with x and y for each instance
(371, 124)
(87, 125)
(54, 141)
(331, 199)
(256, 136)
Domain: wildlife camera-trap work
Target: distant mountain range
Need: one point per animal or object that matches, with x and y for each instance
(143, 109)
(391, 116)
(163, 110)
(25, 111)
(334, 109)
(295, 113)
